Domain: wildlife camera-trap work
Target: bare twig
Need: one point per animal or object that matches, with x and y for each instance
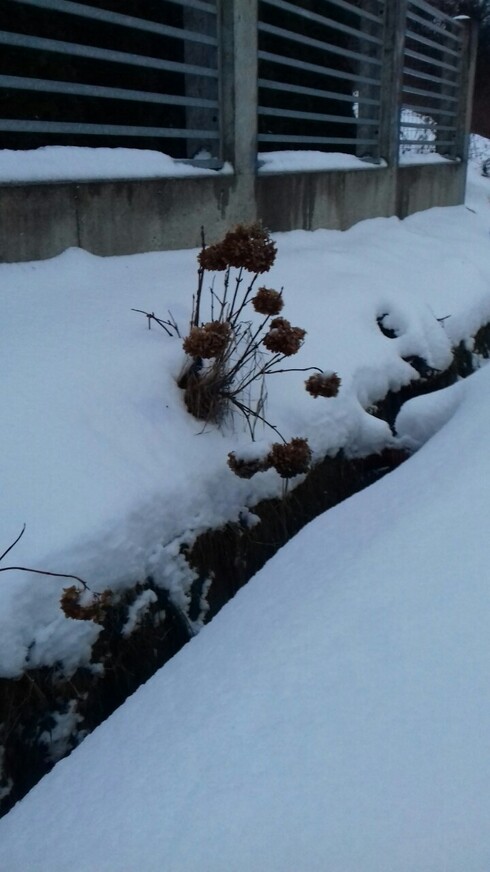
(36, 571)
(14, 542)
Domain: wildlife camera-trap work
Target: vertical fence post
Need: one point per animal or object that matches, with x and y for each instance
(465, 97)
(238, 67)
(392, 79)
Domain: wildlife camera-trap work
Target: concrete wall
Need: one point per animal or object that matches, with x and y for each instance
(126, 217)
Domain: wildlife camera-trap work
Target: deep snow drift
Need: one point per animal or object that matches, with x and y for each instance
(334, 716)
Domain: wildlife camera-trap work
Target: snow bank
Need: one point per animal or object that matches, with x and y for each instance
(334, 716)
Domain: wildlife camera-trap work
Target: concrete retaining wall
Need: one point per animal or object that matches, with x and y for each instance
(38, 221)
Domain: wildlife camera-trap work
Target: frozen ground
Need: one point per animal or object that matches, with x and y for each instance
(334, 716)
(98, 456)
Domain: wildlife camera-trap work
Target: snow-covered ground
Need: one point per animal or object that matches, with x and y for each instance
(334, 715)
(98, 455)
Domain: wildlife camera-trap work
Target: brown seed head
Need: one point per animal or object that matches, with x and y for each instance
(207, 341)
(282, 338)
(290, 459)
(323, 384)
(247, 468)
(246, 246)
(268, 302)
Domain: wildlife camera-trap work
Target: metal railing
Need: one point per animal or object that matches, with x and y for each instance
(85, 74)
(432, 81)
(367, 77)
(320, 75)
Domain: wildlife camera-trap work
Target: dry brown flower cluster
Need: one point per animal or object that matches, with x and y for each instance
(323, 384)
(208, 341)
(246, 247)
(267, 301)
(93, 611)
(291, 458)
(282, 338)
(247, 468)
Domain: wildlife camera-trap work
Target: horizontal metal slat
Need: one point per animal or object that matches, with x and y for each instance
(429, 111)
(201, 5)
(106, 16)
(271, 112)
(436, 13)
(101, 54)
(426, 59)
(356, 10)
(316, 43)
(326, 140)
(421, 92)
(433, 127)
(427, 77)
(417, 37)
(422, 142)
(432, 27)
(50, 86)
(11, 125)
(315, 68)
(315, 92)
(321, 19)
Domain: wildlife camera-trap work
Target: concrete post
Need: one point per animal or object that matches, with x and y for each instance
(238, 65)
(465, 104)
(392, 79)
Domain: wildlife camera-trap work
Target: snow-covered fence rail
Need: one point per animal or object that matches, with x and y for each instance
(82, 73)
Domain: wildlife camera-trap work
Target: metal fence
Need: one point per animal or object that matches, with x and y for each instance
(361, 76)
(432, 81)
(320, 75)
(96, 73)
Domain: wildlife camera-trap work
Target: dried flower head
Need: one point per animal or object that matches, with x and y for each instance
(247, 468)
(246, 246)
(207, 341)
(282, 338)
(323, 384)
(290, 459)
(268, 302)
(94, 610)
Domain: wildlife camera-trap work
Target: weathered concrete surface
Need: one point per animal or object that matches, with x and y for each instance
(38, 221)
(422, 186)
(335, 200)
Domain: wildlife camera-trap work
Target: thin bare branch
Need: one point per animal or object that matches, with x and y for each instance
(14, 543)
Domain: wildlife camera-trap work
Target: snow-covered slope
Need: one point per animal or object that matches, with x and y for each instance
(334, 716)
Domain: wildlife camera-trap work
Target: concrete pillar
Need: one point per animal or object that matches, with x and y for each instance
(392, 79)
(465, 103)
(238, 65)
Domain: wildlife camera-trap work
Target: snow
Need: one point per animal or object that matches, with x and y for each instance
(334, 715)
(98, 456)
(76, 163)
(311, 161)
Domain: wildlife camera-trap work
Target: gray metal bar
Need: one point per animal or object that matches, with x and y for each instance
(314, 68)
(416, 74)
(434, 28)
(202, 5)
(314, 92)
(97, 14)
(416, 37)
(326, 140)
(392, 74)
(321, 19)
(55, 87)
(16, 126)
(356, 10)
(409, 53)
(102, 54)
(428, 111)
(316, 43)
(438, 15)
(427, 143)
(421, 92)
(419, 126)
(270, 112)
